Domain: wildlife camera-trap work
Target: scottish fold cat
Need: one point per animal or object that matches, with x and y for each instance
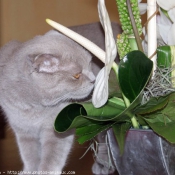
(38, 78)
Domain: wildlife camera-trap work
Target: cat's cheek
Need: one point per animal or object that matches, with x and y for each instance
(83, 92)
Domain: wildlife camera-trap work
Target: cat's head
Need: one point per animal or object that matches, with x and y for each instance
(57, 68)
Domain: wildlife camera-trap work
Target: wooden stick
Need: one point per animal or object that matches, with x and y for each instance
(152, 31)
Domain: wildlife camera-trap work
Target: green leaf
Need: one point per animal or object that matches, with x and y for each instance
(163, 121)
(154, 104)
(88, 132)
(163, 127)
(141, 120)
(120, 133)
(164, 56)
(78, 115)
(71, 117)
(166, 59)
(134, 72)
(109, 111)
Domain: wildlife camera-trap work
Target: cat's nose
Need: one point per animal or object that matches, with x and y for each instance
(77, 76)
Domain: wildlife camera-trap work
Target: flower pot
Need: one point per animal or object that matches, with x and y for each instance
(145, 153)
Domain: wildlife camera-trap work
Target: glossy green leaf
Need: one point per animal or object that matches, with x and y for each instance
(120, 134)
(120, 113)
(71, 117)
(134, 72)
(112, 108)
(78, 115)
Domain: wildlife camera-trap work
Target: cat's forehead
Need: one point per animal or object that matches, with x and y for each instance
(59, 45)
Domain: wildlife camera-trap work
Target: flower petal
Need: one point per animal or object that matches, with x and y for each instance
(171, 35)
(166, 4)
(142, 8)
(163, 31)
(164, 25)
(171, 14)
(110, 44)
(100, 94)
(163, 19)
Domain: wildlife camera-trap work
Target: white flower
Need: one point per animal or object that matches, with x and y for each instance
(171, 14)
(166, 27)
(166, 4)
(142, 7)
(171, 35)
(100, 94)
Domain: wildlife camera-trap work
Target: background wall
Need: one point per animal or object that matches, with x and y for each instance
(23, 19)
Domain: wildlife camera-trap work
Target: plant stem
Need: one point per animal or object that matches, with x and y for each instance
(115, 68)
(133, 118)
(127, 102)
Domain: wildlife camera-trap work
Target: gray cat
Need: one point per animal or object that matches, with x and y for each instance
(38, 78)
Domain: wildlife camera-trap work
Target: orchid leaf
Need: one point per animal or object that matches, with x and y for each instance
(112, 108)
(73, 116)
(163, 121)
(163, 127)
(120, 134)
(153, 105)
(90, 131)
(133, 74)
(69, 116)
(141, 120)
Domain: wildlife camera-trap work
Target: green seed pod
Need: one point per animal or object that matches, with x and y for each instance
(124, 16)
(123, 45)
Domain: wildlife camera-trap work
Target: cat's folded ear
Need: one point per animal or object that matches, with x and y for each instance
(45, 63)
(8, 49)
(53, 32)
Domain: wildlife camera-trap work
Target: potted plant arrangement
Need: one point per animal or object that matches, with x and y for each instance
(139, 111)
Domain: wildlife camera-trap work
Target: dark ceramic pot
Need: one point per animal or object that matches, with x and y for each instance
(145, 153)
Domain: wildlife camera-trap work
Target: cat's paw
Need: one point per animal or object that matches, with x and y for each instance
(103, 164)
(101, 168)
